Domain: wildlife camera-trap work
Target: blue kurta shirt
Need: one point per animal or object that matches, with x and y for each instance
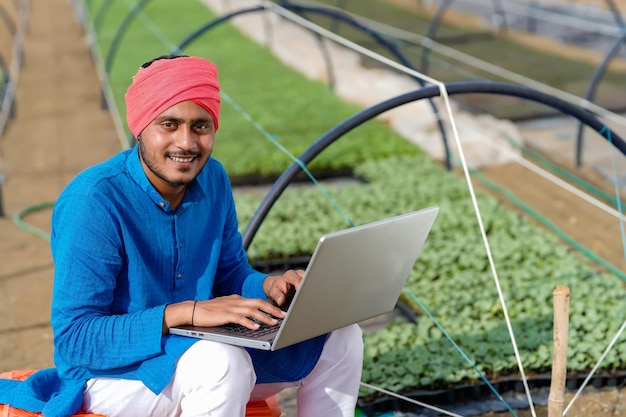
(121, 255)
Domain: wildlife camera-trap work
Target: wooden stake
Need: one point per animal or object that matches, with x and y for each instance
(556, 398)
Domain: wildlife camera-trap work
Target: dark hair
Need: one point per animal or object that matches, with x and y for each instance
(147, 64)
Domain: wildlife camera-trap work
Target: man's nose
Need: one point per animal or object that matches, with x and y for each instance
(185, 139)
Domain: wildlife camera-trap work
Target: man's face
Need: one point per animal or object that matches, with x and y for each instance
(176, 145)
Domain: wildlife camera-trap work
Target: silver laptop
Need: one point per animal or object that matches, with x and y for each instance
(354, 274)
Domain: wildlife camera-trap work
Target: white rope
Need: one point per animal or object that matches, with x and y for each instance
(511, 76)
(492, 265)
(410, 400)
(595, 368)
(444, 94)
(568, 187)
(621, 329)
(486, 67)
(548, 176)
(269, 5)
(591, 200)
(582, 21)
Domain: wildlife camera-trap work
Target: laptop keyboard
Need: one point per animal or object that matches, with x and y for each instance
(239, 330)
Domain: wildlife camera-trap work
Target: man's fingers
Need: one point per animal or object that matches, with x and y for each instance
(247, 312)
(278, 297)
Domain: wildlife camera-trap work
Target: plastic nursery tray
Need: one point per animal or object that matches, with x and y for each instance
(475, 399)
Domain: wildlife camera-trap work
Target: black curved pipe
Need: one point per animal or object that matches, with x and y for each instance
(334, 27)
(432, 29)
(120, 32)
(499, 10)
(5, 80)
(330, 13)
(12, 27)
(454, 88)
(101, 13)
(347, 19)
(340, 4)
(436, 22)
(615, 11)
(593, 86)
(1, 202)
(209, 25)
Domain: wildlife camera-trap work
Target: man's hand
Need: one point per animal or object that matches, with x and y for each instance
(281, 288)
(248, 312)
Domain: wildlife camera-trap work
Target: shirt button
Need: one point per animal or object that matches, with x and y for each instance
(180, 245)
(162, 204)
(180, 276)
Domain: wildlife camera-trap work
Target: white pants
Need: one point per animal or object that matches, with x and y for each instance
(214, 379)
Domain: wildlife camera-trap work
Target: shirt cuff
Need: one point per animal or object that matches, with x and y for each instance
(253, 286)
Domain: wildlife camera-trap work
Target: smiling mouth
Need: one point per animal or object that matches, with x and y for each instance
(182, 159)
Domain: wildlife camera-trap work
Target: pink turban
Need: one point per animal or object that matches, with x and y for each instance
(167, 82)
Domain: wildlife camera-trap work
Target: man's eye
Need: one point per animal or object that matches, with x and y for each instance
(168, 125)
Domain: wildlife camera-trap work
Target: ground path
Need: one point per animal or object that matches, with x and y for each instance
(60, 128)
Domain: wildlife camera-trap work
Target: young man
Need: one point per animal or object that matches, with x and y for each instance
(149, 240)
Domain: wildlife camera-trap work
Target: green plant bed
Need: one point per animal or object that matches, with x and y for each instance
(264, 103)
(452, 279)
